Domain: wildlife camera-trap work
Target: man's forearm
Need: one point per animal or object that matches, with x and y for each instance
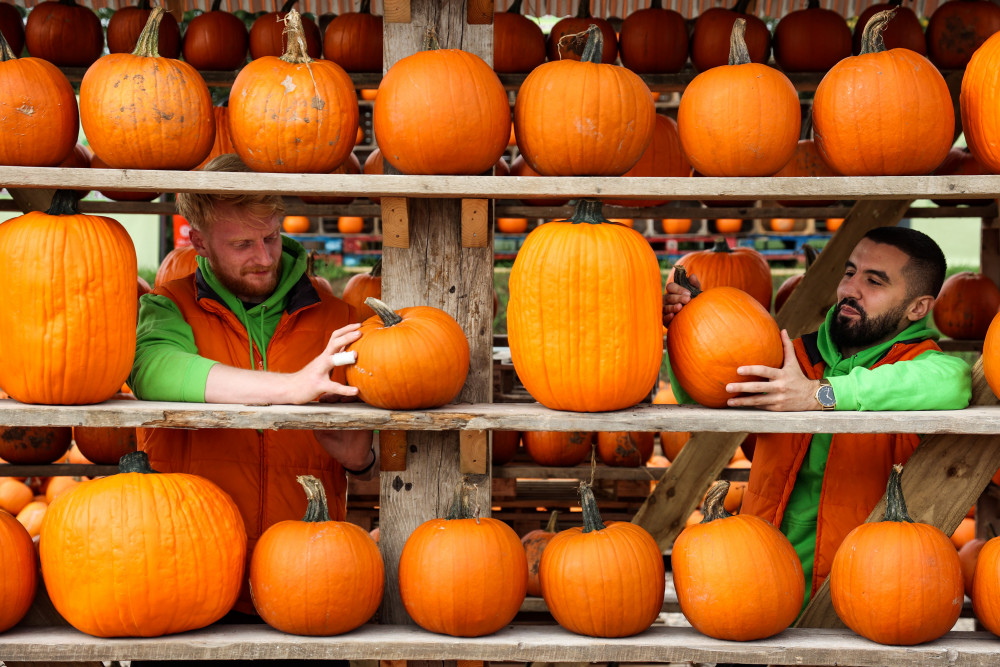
(227, 384)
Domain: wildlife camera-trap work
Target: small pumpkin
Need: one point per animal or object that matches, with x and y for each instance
(32, 516)
(534, 543)
(512, 225)
(295, 224)
(833, 224)
(505, 446)
(629, 449)
(19, 574)
(676, 225)
(966, 306)
(394, 351)
(126, 24)
(965, 532)
(866, 588)
(216, 40)
(782, 224)
(14, 495)
(360, 287)
(518, 42)
(178, 263)
(968, 558)
(558, 448)
(268, 34)
(302, 573)
(728, 225)
(722, 266)
(618, 563)
(12, 27)
(353, 40)
(350, 224)
(64, 33)
(654, 40)
(980, 98)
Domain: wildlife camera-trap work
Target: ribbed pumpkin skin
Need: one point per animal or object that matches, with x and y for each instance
(558, 448)
(883, 114)
(662, 158)
(463, 577)
(991, 356)
(605, 136)
(897, 583)
(45, 137)
(957, 28)
(316, 578)
(274, 122)
(986, 586)
(737, 578)
(605, 583)
(739, 120)
(223, 143)
(360, 287)
(178, 263)
(67, 326)
(584, 319)
(966, 306)
(422, 362)
(654, 40)
(740, 267)
(163, 553)
(418, 132)
(354, 41)
(64, 33)
(705, 349)
(18, 571)
(980, 98)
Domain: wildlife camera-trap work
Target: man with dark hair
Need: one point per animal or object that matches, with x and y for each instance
(874, 351)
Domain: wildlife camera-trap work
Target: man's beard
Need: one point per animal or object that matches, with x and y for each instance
(245, 290)
(865, 331)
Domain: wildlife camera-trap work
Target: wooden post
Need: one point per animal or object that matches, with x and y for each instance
(435, 270)
(989, 249)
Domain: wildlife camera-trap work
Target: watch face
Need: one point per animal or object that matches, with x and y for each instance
(825, 396)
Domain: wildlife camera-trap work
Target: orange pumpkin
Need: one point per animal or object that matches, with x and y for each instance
(178, 263)
(395, 351)
(903, 31)
(505, 445)
(223, 142)
(463, 575)
(676, 225)
(350, 224)
(811, 39)
(980, 98)
(739, 120)
(32, 516)
(158, 116)
(195, 541)
(561, 294)
(353, 40)
(737, 577)
(957, 28)
(625, 448)
(968, 558)
(729, 225)
(604, 137)
(126, 24)
(559, 449)
(871, 597)
(81, 271)
(722, 266)
(534, 543)
(301, 572)
(782, 224)
(703, 352)
(619, 563)
(216, 40)
(267, 34)
(663, 158)
(296, 224)
(14, 495)
(19, 575)
(518, 42)
(512, 225)
(64, 33)
(965, 532)
(60, 485)
(105, 445)
(966, 305)
(561, 44)
(833, 224)
(654, 40)
(349, 166)
(883, 113)
(360, 287)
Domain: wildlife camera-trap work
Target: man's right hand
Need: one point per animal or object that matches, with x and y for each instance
(675, 297)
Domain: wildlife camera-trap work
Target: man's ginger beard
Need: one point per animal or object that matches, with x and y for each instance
(866, 331)
(243, 288)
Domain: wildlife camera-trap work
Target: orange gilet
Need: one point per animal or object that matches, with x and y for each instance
(257, 468)
(857, 467)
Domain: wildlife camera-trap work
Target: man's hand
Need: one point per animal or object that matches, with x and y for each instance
(352, 449)
(314, 381)
(785, 389)
(675, 298)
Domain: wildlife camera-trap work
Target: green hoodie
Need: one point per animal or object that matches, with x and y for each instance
(167, 365)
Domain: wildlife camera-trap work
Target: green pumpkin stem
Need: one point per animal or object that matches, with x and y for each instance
(715, 502)
(591, 515)
(377, 269)
(366, 7)
(589, 211)
(296, 51)
(64, 202)
(388, 316)
(461, 503)
(431, 42)
(515, 7)
(871, 38)
(317, 510)
(6, 53)
(895, 505)
(810, 253)
(553, 525)
(148, 45)
(595, 44)
(287, 7)
(135, 462)
(681, 278)
(738, 52)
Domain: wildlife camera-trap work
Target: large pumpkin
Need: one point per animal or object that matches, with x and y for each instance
(64, 33)
(721, 266)
(619, 564)
(534, 543)
(737, 577)
(811, 39)
(187, 556)
(883, 113)
(903, 31)
(966, 305)
(216, 40)
(418, 132)
(705, 349)
(19, 574)
(126, 25)
(412, 359)
(881, 568)
(32, 445)
(663, 158)
(12, 27)
(268, 34)
(518, 42)
(293, 114)
(563, 43)
(605, 136)
(360, 287)
(710, 41)
(67, 326)
(654, 40)
(316, 576)
(957, 28)
(178, 263)
(980, 98)
(45, 136)
(463, 575)
(584, 291)
(559, 449)
(354, 40)
(739, 120)
(158, 115)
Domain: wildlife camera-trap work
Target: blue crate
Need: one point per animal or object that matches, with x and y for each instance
(334, 245)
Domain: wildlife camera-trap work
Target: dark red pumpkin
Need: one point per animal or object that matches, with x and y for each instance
(267, 34)
(903, 32)
(126, 25)
(966, 305)
(64, 33)
(505, 445)
(787, 287)
(33, 445)
(12, 27)
(518, 42)
(957, 28)
(654, 40)
(558, 448)
(216, 40)
(811, 40)
(572, 49)
(354, 40)
(712, 30)
(628, 449)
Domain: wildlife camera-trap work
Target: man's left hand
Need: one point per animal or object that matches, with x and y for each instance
(784, 389)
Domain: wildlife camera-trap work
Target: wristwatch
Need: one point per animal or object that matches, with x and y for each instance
(824, 395)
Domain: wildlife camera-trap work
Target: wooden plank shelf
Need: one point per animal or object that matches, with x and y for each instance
(496, 416)
(57, 470)
(644, 473)
(496, 187)
(523, 643)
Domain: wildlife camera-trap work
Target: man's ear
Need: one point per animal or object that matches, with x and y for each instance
(198, 241)
(919, 308)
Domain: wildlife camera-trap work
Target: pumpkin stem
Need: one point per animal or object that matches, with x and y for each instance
(595, 45)
(813, 4)
(811, 254)
(216, 4)
(64, 202)
(6, 53)
(431, 42)
(553, 525)
(388, 316)
(71, 3)
(461, 503)
(143, 4)
(738, 52)
(317, 510)
(515, 7)
(656, 4)
(148, 45)
(590, 211)
(721, 246)
(287, 7)
(871, 38)
(366, 7)
(583, 10)
(895, 505)
(377, 269)
(715, 502)
(296, 51)
(741, 6)
(591, 515)
(681, 278)
(135, 462)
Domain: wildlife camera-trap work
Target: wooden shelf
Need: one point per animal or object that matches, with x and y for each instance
(644, 473)
(57, 470)
(525, 643)
(496, 416)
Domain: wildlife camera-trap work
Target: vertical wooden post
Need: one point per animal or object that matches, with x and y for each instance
(435, 270)
(989, 249)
